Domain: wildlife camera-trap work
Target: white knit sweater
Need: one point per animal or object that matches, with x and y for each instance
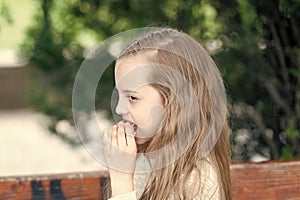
(209, 185)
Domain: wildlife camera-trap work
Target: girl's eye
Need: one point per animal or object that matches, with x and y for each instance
(132, 98)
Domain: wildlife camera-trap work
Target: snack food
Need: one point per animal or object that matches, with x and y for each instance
(133, 125)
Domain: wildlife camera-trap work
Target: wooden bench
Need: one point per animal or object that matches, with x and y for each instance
(266, 180)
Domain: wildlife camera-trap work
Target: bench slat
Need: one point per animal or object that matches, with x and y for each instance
(267, 180)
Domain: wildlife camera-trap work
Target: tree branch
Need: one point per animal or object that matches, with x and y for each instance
(259, 122)
(277, 98)
(280, 54)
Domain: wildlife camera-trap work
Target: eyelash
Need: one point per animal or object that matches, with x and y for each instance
(132, 98)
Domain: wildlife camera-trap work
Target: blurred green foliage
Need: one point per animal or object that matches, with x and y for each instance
(261, 68)
(5, 15)
(255, 43)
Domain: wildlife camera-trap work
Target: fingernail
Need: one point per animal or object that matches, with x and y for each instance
(127, 124)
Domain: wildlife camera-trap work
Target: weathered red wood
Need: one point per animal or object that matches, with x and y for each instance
(14, 189)
(267, 180)
(79, 186)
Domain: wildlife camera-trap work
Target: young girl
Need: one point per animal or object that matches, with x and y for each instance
(173, 141)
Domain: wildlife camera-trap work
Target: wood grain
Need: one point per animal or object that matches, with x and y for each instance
(267, 180)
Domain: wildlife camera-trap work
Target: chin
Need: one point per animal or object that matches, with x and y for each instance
(141, 140)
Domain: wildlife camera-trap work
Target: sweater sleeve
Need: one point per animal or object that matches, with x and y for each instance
(126, 196)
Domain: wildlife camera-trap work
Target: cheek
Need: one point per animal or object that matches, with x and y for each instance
(150, 121)
(145, 115)
(140, 116)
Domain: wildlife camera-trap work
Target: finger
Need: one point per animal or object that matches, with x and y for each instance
(130, 136)
(122, 136)
(114, 136)
(129, 129)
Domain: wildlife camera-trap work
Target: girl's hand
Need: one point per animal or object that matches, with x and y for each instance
(120, 152)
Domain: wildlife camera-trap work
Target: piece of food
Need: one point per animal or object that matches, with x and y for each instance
(133, 125)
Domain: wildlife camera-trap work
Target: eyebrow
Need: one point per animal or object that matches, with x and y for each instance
(127, 91)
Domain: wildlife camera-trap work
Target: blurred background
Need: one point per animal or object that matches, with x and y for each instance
(256, 45)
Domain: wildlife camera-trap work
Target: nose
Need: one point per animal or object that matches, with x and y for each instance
(122, 107)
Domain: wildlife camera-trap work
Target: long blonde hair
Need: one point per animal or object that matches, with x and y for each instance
(196, 114)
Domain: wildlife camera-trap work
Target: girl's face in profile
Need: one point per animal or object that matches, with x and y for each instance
(139, 102)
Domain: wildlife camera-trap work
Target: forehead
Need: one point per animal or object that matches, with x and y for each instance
(130, 63)
(132, 71)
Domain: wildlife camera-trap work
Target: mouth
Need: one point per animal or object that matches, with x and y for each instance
(132, 124)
